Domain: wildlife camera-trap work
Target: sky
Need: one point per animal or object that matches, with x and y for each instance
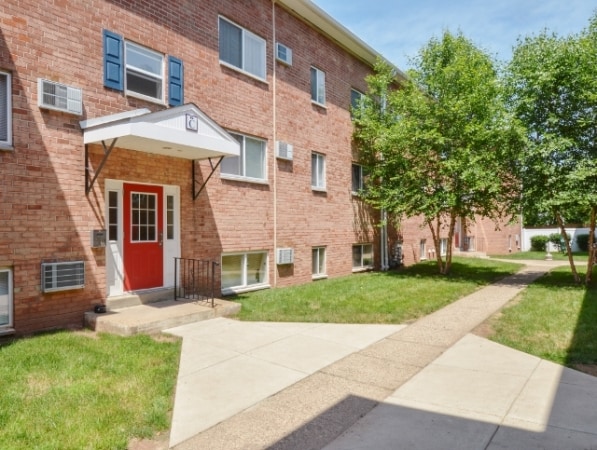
(398, 29)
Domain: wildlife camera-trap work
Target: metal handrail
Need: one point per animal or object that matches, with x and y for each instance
(195, 279)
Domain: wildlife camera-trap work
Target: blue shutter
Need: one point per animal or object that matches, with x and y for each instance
(175, 81)
(113, 61)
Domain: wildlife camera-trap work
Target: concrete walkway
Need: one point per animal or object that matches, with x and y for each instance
(429, 385)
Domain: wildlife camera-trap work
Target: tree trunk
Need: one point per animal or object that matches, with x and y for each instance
(589, 274)
(568, 247)
(435, 229)
(449, 244)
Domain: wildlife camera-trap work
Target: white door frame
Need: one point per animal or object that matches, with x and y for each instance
(114, 248)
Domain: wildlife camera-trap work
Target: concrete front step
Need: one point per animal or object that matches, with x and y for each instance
(139, 298)
(157, 316)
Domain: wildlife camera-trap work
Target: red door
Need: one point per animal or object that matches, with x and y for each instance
(143, 237)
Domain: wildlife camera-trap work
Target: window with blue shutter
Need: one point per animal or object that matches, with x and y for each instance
(175, 81)
(113, 61)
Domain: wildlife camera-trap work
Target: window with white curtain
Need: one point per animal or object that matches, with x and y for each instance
(317, 86)
(243, 271)
(250, 163)
(318, 262)
(5, 110)
(317, 171)
(241, 49)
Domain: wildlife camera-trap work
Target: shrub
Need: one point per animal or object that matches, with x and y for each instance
(538, 243)
(582, 240)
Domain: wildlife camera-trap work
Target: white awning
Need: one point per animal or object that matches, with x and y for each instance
(182, 132)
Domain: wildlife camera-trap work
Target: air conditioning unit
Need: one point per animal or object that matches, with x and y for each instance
(284, 150)
(62, 276)
(284, 256)
(283, 54)
(59, 97)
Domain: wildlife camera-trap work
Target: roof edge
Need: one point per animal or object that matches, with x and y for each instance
(322, 21)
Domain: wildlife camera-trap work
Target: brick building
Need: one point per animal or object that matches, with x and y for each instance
(215, 130)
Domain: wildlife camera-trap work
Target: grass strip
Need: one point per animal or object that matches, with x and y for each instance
(373, 297)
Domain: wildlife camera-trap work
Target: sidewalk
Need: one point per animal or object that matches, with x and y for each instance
(426, 385)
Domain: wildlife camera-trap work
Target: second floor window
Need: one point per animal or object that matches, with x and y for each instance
(358, 178)
(144, 71)
(242, 49)
(318, 171)
(5, 110)
(317, 86)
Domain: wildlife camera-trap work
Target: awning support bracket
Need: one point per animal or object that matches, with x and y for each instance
(195, 182)
(107, 151)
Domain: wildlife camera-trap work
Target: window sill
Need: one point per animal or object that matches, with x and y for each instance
(318, 277)
(318, 189)
(7, 148)
(320, 105)
(6, 331)
(240, 290)
(362, 269)
(157, 101)
(244, 72)
(224, 176)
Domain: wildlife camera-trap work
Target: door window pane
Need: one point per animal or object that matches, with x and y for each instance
(143, 217)
(169, 217)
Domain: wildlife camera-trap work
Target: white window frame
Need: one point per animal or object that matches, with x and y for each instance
(245, 286)
(242, 160)
(9, 303)
(317, 89)
(443, 246)
(362, 265)
(246, 36)
(6, 144)
(318, 171)
(318, 263)
(423, 249)
(143, 72)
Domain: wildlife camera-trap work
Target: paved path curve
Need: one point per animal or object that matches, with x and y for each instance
(428, 385)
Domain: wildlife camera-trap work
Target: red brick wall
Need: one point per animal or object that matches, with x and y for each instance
(44, 212)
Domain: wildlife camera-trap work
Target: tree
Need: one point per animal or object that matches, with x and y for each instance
(552, 89)
(441, 146)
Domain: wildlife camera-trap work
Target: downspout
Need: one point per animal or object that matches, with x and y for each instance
(274, 143)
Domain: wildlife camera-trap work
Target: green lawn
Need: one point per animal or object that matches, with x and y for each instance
(553, 319)
(374, 297)
(76, 390)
